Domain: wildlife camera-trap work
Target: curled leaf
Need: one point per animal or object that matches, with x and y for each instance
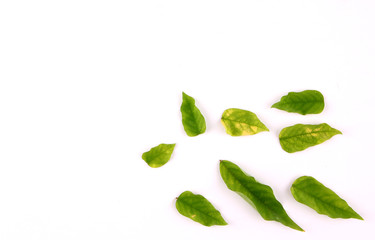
(159, 155)
(258, 195)
(301, 136)
(238, 122)
(199, 209)
(192, 119)
(305, 102)
(309, 191)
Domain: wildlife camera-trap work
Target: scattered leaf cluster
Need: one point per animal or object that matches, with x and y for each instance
(238, 122)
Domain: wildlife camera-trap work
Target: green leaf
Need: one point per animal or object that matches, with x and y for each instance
(199, 209)
(305, 102)
(301, 136)
(238, 122)
(159, 155)
(192, 119)
(307, 190)
(258, 195)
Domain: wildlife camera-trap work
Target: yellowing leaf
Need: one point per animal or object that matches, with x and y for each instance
(238, 122)
(159, 155)
(301, 136)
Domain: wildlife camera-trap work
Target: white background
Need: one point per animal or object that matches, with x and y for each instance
(87, 86)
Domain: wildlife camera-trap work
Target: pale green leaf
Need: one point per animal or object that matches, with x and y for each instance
(192, 119)
(199, 209)
(238, 122)
(305, 102)
(307, 190)
(159, 155)
(260, 196)
(301, 136)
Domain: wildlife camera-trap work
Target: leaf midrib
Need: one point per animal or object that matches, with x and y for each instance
(313, 101)
(227, 119)
(237, 121)
(197, 209)
(157, 155)
(192, 114)
(306, 134)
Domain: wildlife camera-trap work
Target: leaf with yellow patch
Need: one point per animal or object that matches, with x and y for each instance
(199, 209)
(159, 155)
(301, 136)
(239, 122)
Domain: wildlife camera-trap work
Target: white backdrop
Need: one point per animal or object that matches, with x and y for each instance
(87, 86)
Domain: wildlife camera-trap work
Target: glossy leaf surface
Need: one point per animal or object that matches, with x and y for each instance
(199, 209)
(307, 190)
(301, 136)
(238, 122)
(192, 119)
(159, 155)
(305, 102)
(260, 196)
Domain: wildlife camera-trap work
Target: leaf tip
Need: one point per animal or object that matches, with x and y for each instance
(184, 96)
(296, 227)
(357, 216)
(223, 161)
(224, 223)
(274, 105)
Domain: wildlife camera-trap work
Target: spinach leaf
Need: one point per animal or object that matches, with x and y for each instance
(238, 122)
(307, 190)
(305, 102)
(192, 119)
(301, 136)
(258, 195)
(199, 209)
(159, 155)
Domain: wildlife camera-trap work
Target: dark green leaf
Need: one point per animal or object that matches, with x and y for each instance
(159, 155)
(260, 196)
(238, 122)
(301, 136)
(199, 209)
(192, 119)
(307, 190)
(305, 102)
